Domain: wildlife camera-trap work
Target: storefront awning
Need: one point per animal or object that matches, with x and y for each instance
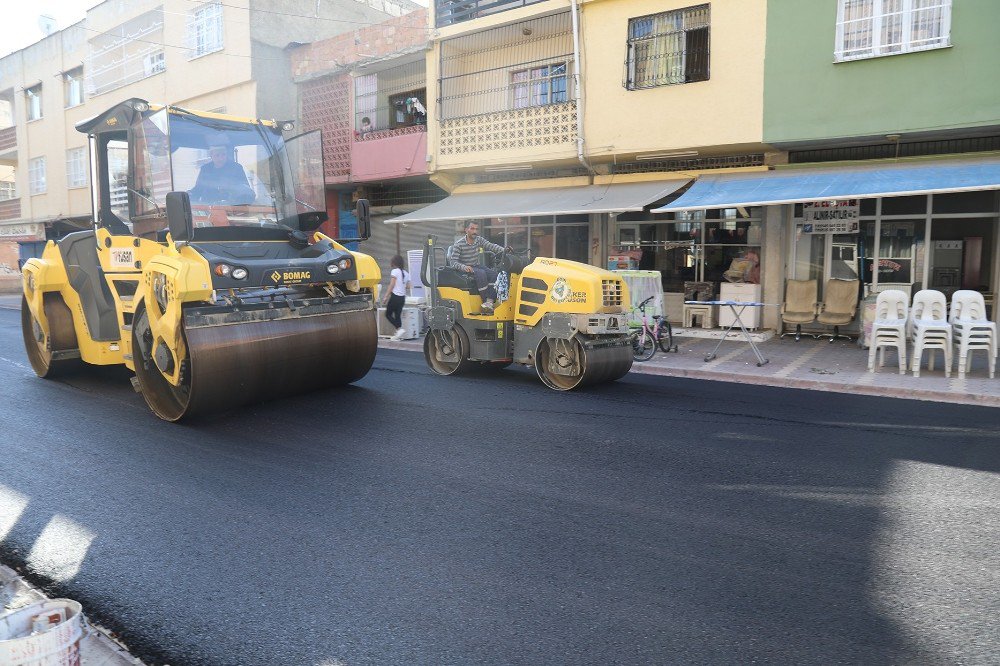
(612, 198)
(827, 184)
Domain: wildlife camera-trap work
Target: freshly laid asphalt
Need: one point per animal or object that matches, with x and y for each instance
(487, 519)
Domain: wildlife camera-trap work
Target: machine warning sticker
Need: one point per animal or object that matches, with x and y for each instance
(122, 257)
(290, 277)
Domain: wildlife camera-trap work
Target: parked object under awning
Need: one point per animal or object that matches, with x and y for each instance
(827, 184)
(612, 198)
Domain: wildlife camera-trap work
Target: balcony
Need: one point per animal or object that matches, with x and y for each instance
(8, 144)
(10, 209)
(450, 12)
(390, 121)
(507, 93)
(392, 153)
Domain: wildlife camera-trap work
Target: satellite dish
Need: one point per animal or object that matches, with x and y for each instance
(47, 24)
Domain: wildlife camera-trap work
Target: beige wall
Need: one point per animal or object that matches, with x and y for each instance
(726, 110)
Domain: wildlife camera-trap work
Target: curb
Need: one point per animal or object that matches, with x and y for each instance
(805, 384)
(96, 646)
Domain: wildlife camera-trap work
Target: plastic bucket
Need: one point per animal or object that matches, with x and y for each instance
(46, 633)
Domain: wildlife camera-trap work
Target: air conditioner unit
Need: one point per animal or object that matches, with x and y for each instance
(153, 63)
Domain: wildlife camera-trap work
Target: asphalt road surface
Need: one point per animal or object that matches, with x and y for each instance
(412, 519)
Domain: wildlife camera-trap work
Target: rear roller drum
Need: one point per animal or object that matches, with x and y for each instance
(42, 350)
(446, 351)
(564, 365)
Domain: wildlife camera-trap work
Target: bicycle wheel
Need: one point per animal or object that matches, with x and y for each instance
(666, 338)
(643, 346)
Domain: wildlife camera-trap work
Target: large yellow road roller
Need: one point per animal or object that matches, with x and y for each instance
(204, 273)
(564, 318)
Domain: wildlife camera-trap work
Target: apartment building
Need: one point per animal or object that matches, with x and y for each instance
(367, 92)
(561, 127)
(890, 116)
(228, 56)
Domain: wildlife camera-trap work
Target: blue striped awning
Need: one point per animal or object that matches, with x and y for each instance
(761, 188)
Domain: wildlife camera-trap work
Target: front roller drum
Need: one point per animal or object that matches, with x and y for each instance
(238, 364)
(564, 365)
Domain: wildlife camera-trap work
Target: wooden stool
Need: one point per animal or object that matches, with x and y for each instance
(705, 312)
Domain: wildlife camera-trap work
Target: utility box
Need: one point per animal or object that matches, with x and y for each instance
(412, 322)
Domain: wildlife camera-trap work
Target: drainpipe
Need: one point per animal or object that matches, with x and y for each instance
(577, 97)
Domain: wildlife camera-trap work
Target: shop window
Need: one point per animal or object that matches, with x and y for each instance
(872, 28)
(904, 205)
(669, 48)
(539, 86)
(966, 202)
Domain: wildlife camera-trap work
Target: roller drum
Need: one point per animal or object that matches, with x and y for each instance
(564, 365)
(238, 364)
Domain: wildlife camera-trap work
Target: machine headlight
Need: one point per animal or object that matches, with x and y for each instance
(31, 282)
(160, 291)
(332, 268)
(223, 270)
(344, 264)
(239, 274)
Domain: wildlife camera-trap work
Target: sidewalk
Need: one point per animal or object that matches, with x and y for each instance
(96, 647)
(817, 365)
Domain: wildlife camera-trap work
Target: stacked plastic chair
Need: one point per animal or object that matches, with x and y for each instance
(889, 328)
(972, 331)
(929, 329)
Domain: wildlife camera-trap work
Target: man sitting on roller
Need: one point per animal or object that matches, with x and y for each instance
(464, 256)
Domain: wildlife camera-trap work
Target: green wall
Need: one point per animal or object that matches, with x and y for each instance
(808, 97)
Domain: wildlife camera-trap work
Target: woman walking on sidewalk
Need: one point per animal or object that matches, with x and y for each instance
(399, 283)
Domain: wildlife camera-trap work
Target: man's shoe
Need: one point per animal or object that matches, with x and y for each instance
(488, 306)
(400, 332)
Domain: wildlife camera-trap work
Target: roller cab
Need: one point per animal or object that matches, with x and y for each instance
(204, 273)
(563, 318)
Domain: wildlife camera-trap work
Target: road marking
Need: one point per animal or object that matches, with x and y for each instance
(16, 364)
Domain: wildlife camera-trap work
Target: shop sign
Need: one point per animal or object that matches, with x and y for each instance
(843, 227)
(28, 231)
(845, 211)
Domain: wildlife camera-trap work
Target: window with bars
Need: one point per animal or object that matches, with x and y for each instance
(669, 48)
(539, 86)
(872, 28)
(204, 30)
(36, 175)
(76, 167)
(73, 87)
(33, 100)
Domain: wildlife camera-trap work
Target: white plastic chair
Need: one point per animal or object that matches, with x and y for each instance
(929, 329)
(972, 330)
(889, 328)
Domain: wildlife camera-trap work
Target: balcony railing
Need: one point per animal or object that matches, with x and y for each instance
(552, 125)
(8, 139)
(385, 134)
(449, 12)
(10, 209)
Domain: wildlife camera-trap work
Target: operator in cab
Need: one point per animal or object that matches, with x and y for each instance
(464, 256)
(222, 180)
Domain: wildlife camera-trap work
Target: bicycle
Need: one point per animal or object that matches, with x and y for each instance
(646, 338)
